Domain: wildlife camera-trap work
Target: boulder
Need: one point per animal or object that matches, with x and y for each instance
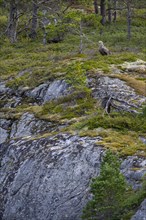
(133, 167)
(137, 66)
(49, 91)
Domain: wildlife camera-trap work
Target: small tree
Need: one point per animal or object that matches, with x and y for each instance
(108, 191)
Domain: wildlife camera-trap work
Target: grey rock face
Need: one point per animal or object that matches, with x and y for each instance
(41, 94)
(48, 179)
(141, 213)
(104, 86)
(3, 135)
(46, 92)
(56, 89)
(134, 168)
(9, 97)
(137, 66)
(3, 88)
(23, 72)
(28, 125)
(143, 139)
(38, 92)
(4, 129)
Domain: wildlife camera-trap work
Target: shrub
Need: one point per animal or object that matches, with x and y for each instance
(91, 20)
(112, 198)
(107, 190)
(56, 32)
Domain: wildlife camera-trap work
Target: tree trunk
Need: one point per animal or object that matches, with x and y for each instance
(109, 12)
(103, 11)
(13, 22)
(33, 32)
(115, 11)
(128, 20)
(95, 7)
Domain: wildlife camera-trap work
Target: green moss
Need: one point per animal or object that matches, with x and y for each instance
(19, 81)
(75, 105)
(118, 122)
(124, 143)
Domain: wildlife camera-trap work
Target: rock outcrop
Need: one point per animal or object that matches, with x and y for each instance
(39, 95)
(141, 213)
(137, 66)
(4, 129)
(49, 91)
(28, 125)
(48, 178)
(103, 86)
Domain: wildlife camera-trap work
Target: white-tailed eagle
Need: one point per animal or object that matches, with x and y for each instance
(102, 49)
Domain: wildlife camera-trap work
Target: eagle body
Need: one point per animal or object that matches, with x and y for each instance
(102, 49)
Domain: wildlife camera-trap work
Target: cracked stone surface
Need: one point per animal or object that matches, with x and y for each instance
(49, 91)
(28, 125)
(138, 66)
(4, 129)
(104, 86)
(48, 178)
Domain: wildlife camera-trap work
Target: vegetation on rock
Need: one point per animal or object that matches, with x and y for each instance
(44, 41)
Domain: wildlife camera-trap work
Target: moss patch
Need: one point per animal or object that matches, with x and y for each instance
(137, 84)
(116, 121)
(124, 143)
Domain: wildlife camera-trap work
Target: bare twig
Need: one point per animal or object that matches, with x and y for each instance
(107, 103)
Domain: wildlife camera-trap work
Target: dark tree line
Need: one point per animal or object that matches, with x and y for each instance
(107, 9)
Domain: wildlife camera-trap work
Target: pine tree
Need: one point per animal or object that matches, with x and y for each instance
(108, 191)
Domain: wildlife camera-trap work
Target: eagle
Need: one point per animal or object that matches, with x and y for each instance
(102, 49)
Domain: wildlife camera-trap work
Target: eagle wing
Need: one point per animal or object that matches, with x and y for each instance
(104, 51)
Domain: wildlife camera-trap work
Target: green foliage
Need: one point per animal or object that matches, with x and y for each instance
(72, 106)
(3, 20)
(73, 16)
(91, 20)
(112, 198)
(56, 32)
(75, 74)
(108, 191)
(117, 121)
(144, 112)
(133, 200)
(19, 81)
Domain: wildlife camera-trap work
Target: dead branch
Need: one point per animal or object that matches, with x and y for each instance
(108, 102)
